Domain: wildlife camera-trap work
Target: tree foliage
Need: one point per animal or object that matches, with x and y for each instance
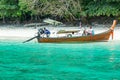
(62, 9)
(103, 7)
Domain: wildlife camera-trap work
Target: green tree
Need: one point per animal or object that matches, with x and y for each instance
(63, 9)
(8, 8)
(102, 7)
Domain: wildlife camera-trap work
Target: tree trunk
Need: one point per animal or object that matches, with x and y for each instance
(3, 19)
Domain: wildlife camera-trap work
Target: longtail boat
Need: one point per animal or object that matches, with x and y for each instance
(104, 36)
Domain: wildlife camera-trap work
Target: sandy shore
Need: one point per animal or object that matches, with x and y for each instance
(23, 33)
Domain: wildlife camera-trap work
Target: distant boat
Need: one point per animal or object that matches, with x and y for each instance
(52, 22)
(45, 22)
(104, 36)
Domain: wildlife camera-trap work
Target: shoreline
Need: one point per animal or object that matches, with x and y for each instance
(23, 33)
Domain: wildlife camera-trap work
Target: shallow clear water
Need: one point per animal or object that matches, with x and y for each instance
(46, 61)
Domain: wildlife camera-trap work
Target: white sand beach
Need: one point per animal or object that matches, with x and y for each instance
(23, 33)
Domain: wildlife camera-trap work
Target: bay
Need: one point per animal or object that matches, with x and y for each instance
(59, 61)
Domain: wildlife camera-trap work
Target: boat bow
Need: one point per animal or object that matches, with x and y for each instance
(112, 28)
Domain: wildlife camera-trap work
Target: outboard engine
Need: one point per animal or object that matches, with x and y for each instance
(40, 32)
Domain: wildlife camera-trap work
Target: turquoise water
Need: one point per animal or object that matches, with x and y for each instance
(46, 61)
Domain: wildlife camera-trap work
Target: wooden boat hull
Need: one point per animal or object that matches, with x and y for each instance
(91, 38)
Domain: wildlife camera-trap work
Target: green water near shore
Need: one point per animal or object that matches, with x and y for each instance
(46, 61)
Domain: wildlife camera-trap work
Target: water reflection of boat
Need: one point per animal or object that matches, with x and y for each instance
(104, 36)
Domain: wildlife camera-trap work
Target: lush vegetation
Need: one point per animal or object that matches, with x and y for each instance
(68, 10)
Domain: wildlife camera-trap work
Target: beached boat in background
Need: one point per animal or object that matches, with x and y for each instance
(51, 21)
(104, 36)
(45, 22)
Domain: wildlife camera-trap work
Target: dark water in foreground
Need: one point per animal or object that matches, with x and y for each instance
(33, 61)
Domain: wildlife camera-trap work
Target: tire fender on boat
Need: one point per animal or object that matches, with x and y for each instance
(69, 35)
